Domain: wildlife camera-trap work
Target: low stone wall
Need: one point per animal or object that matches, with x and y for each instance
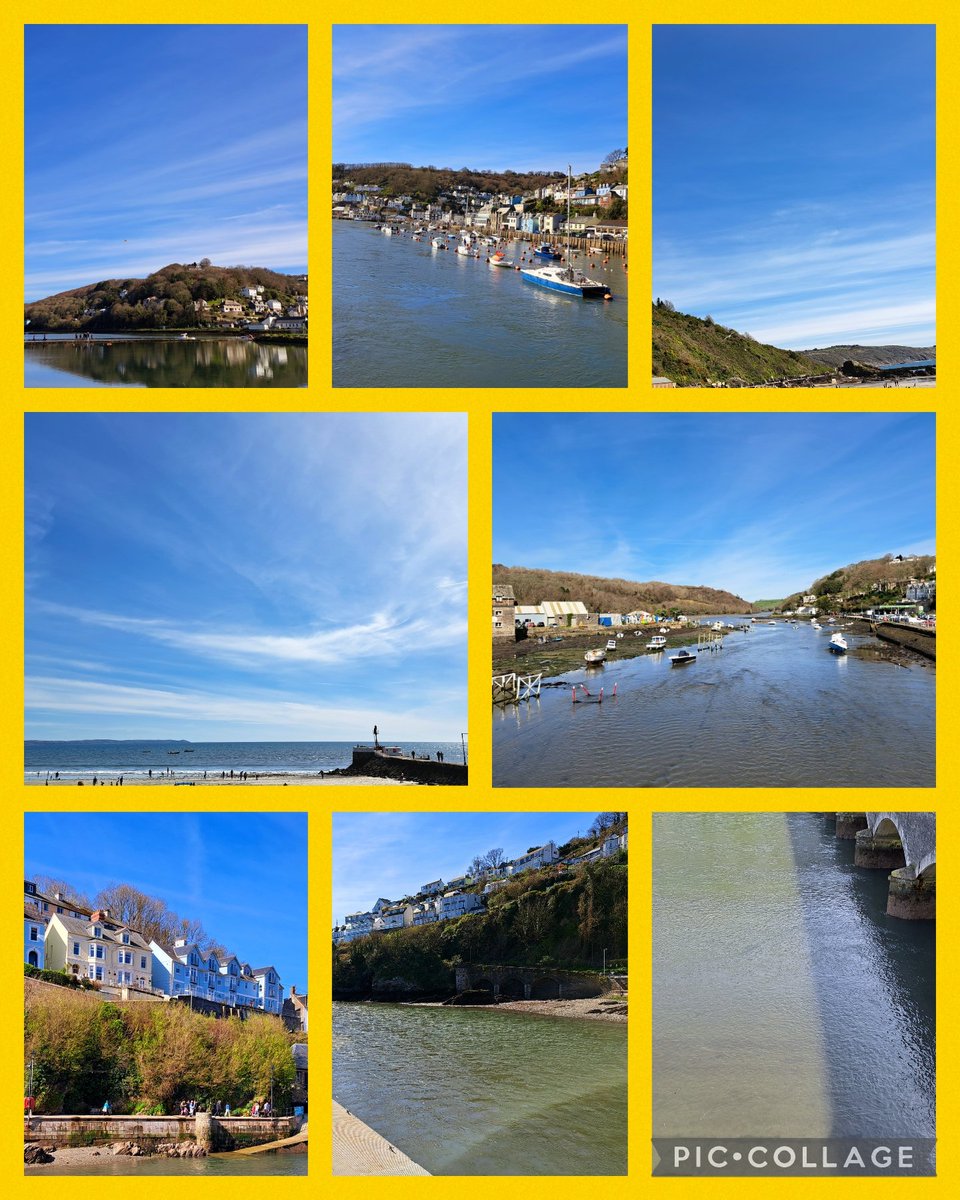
(922, 641)
(214, 1133)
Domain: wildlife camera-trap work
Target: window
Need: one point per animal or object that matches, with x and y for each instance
(91, 949)
(34, 934)
(97, 931)
(143, 962)
(125, 938)
(99, 972)
(59, 909)
(90, 970)
(99, 952)
(76, 949)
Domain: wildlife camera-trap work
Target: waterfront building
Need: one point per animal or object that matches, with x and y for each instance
(37, 911)
(184, 970)
(541, 857)
(99, 948)
(504, 606)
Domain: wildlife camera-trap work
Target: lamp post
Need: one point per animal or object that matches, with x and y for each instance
(463, 747)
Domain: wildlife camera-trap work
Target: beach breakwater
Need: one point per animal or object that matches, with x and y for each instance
(374, 763)
(148, 1132)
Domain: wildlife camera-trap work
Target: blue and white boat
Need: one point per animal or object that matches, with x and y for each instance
(838, 644)
(545, 250)
(567, 279)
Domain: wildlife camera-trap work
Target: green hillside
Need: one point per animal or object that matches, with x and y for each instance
(693, 351)
(866, 584)
(533, 586)
(164, 299)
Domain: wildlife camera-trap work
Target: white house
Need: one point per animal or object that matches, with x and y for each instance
(541, 857)
(184, 970)
(457, 904)
(431, 889)
(100, 948)
(38, 908)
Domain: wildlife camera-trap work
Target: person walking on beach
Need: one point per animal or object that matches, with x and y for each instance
(376, 744)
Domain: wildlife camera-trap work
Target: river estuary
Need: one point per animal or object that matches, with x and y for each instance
(406, 315)
(471, 1092)
(772, 709)
(786, 1003)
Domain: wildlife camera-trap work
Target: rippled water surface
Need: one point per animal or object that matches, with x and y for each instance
(786, 1002)
(406, 315)
(130, 361)
(772, 709)
(469, 1092)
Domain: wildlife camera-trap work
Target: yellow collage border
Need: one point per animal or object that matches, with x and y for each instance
(481, 406)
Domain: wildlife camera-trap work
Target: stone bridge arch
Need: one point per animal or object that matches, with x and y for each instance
(917, 834)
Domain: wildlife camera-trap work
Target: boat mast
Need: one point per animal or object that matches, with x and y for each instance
(569, 174)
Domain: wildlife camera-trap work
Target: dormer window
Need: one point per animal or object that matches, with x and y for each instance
(125, 938)
(97, 931)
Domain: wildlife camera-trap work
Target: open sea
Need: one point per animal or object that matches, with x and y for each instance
(190, 759)
(407, 315)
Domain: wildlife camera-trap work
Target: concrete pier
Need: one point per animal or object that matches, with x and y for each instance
(849, 825)
(878, 851)
(360, 1150)
(912, 899)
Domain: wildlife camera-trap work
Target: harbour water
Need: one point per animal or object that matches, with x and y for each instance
(785, 1002)
(189, 760)
(212, 1165)
(406, 315)
(471, 1092)
(772, 709)
(123, 360)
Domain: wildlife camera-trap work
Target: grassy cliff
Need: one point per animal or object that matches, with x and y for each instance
(553, 917)
(533, 586)
(868, 583)
(690, 350)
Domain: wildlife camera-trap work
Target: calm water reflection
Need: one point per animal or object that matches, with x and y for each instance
(163, 362)
(772, 709)
(469, 1092)
(786, 1003)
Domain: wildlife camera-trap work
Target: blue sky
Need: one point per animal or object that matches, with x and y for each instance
(393, 854)
(153, 144)
(242, 875)
(239, 577)
(794, 177)
(496, 97)
(758, 504)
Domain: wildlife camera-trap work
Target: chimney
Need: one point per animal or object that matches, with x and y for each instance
(293, 990)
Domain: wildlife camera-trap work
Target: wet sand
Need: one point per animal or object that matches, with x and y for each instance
(599, 1008)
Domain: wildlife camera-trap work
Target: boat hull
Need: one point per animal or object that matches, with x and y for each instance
(559, 285)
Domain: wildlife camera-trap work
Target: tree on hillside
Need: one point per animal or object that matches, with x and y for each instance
(50, 886)
(614, 157)
(205, 262)
(494, 858)
(151, 918)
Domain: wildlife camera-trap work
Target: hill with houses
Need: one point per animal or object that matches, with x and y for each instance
(532, 586)
(872, 583)
(178, 296)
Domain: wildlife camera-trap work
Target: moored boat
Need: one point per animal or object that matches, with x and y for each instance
(545, 250)
(838, 644)
(500, 260)
(682, 658)
(594, 657)
(657, 642)
(612, 644)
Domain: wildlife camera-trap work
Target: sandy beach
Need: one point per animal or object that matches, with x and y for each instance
(599, 1008)
(215, 781)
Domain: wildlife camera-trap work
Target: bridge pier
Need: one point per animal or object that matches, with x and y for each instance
(849, 825)
(912, 899)
(878, 852)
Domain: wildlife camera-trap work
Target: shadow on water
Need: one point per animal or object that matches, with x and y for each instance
(874, 980)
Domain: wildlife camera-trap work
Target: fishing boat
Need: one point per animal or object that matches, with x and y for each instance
(594, 657)
(567, 279)
(682, 658)
(657, 642)
(837, 644)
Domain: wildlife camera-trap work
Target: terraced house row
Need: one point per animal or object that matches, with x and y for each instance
(60, 936)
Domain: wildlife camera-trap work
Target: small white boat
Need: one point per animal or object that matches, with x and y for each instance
(815, 625)
(838, 644)
(386, 230)
(593, 657)
(612, 644)
(438, 243)
(500, 260)
(657, 642)
(681, 658)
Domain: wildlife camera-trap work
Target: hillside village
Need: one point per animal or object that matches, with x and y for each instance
(180, 296)
(445, 901)
(598, 202)
(903, 585)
